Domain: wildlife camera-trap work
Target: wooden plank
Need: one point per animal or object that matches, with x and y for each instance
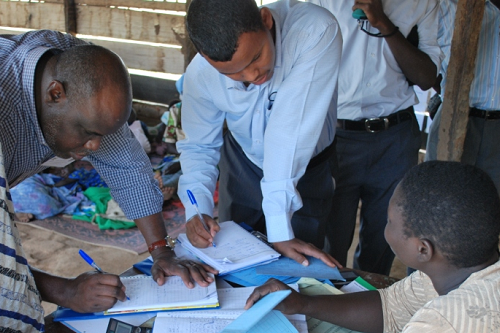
(32, 15)
(149, 4)
(129, 24)
(146, 57)
(455, 111)
(161, 5)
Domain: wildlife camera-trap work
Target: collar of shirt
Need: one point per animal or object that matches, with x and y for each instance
(29, 70)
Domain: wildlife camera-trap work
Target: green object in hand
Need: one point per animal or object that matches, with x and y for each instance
(359, 14)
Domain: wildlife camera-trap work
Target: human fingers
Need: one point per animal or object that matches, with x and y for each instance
(93, 292)
(289, 249)
(212, 225)
(198, 273)
(313, 251)
(197, 234)
(270, 286)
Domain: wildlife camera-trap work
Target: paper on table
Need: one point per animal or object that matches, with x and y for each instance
(236, 249)
(313, 287)
(232, 302)
(289, 267)
(357, 285)
(146, 295)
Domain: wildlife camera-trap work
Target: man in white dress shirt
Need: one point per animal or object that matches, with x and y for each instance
(271, 75)
(377, 133)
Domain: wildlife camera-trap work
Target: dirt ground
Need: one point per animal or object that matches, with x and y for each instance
(56, 254)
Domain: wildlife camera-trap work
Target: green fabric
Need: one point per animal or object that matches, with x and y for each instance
(100, 196)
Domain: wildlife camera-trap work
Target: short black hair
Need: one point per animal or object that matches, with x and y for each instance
(215, 26)
(454, 205)
(86, 69)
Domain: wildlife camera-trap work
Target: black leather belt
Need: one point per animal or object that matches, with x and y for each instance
(374, 125)
(494, 114)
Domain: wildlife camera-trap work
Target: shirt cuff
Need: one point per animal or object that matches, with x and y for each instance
(279, 228)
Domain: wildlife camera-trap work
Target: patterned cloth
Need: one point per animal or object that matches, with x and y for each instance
(37, 195)
(20, 301)
(120, 159)
(413, 305)
(88, 178)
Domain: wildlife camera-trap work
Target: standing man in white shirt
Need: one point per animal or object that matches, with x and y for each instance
(271, 75)
(377, 133)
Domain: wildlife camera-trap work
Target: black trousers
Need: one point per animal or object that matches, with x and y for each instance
(240, 195)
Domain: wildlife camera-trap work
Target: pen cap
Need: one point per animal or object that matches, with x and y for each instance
(191, 197)
(86, 257)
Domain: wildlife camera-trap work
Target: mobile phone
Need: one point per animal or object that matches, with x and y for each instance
(118, 326)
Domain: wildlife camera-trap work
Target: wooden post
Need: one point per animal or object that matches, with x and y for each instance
(70, 16)
(455, 110)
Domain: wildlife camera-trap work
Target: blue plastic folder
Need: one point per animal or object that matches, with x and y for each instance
(261, 317)
(289, 267)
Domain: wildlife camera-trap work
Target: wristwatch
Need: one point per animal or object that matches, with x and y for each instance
(167, 241)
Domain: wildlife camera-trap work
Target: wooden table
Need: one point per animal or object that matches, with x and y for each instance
(376, 280)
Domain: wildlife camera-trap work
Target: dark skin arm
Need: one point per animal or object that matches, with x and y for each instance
(294, 248)
(89, 292)
(165, 261)
(342, 310)
(415, 64)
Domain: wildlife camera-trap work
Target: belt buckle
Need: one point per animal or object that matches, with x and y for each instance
(370, 120)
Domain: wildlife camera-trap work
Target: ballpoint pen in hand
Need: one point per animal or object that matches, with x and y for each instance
(92, 263)
(195, 205)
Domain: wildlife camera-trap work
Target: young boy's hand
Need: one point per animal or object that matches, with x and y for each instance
(292, 304)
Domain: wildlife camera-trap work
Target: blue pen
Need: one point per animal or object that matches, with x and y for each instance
(92, 263)
(195, 204)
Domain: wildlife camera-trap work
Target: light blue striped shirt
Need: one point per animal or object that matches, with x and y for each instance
(120, 159)
(282, 140)
(485, 87)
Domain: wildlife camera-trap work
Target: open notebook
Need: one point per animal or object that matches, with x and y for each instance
(145, 295)
(235, 249)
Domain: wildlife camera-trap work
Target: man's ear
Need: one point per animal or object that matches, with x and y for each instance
(55, 92)
(425, 250)
(267, 17)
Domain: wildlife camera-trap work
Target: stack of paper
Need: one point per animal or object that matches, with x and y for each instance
(146, 295)
(232, 317)
(235, 249)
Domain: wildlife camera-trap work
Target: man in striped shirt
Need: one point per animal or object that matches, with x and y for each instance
(443, 221)
(481, 145)
(62, 100)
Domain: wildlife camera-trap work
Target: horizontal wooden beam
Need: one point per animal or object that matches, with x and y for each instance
(147, 4)
(130, 24)
(98, 21)
(146, 57)
(161, 5)
(32, 15)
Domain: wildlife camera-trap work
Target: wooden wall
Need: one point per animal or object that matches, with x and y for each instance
(148, 35)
